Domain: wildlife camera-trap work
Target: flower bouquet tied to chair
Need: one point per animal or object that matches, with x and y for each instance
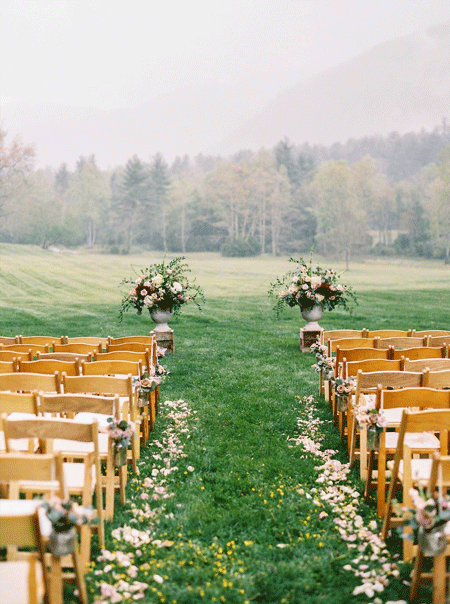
(161, 288)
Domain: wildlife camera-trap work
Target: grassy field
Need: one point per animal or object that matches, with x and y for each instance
(246, 518)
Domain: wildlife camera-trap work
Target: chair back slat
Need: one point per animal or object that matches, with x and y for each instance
(351, 343)
(419, 352)
(389, 333)
(50, 366)
(421, 364)
(80, 347)
(28, 382)
(72, 403)
(408, 342)
(436, 379)
(352, 368)
(112, 367)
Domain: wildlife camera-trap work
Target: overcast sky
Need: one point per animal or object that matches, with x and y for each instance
(110, 53)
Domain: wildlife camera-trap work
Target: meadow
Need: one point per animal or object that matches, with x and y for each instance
(235, 501)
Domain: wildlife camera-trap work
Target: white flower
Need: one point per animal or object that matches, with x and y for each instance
(316, 281)
(158, 280)
(148, 301)
(176, 287)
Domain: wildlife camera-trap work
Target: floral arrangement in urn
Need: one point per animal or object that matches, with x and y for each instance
(163, 287)
(307, 286)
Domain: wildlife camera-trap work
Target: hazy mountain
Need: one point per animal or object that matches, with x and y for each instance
(402, 85)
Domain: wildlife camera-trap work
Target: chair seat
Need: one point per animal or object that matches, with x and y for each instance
(14, 581)
(88, 418)
(415, 440)
(420, 469)
(393, 416)
(74, 476)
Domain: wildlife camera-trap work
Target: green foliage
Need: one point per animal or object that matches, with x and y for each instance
(161, 286)
(306, 286)
(238, 248)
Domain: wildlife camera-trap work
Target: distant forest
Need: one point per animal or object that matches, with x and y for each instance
(380, 195)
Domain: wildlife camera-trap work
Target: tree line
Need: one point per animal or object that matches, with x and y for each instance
(380, 195)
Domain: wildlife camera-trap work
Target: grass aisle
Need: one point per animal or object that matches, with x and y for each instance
(237, 510)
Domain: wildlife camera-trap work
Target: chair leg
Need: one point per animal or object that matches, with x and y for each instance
(439, 579)
(122, 483)
(79, 576)
(416, 576)
(368, 487)
(56, 583)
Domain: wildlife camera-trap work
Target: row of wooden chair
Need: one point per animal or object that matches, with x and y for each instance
(417, 391)
(68, 399)
(336, 334)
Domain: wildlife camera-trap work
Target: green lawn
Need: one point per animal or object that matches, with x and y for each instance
(243, 517)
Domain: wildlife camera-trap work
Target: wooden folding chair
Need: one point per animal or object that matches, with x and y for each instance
(83, 476)
(79, 348)
(344, 343)
(443, 340)
(50, 366)
(125, 355)
(106, 385)
(39, 340)
(136, 347)
(436, 379)
(88, 407)
(8, 366)
(351, 343)
(25, 349)
(123, 368)
(9, 340)
(32, 473)
(438, 485)
(69, 357)
(96, 342)
(403, 342)
(421, 364)
(419, 352)
(389, 333)
(404, 468)
(149, 340)
(112, 367)
(30, 382)
(358, 354)
(23, 581)
(11, 355)
(367, 383)
(338, 334)
(404, 399)
(17, 402)
(350, 370)
(431, 332)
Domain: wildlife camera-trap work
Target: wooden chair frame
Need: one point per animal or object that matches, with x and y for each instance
(99, 408)
(431, 420)
(106, 385)
(49, 429)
